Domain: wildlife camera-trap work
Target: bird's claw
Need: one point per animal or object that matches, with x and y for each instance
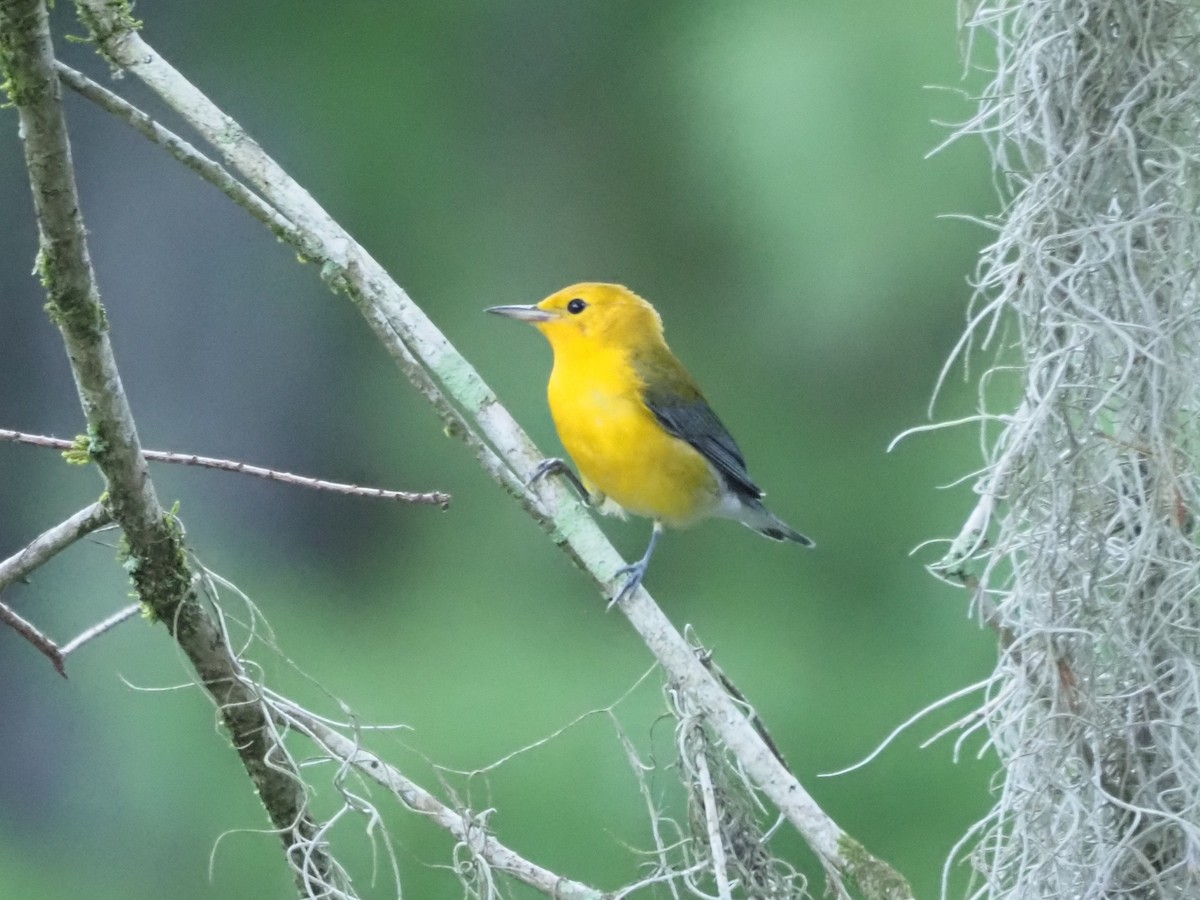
(636, 572)
(550, 466)
(555, 466)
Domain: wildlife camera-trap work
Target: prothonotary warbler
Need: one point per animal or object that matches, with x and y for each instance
(634, 421)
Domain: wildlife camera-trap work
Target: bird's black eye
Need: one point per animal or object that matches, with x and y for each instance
(576, 306)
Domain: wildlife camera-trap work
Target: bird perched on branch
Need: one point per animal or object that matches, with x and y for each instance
(635, 423)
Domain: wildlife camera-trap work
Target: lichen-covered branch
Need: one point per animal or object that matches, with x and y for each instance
(152, 540)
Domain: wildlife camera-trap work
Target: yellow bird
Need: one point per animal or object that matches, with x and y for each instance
(634, 421)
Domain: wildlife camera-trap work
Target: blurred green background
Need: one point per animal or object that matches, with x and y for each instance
(756, 170)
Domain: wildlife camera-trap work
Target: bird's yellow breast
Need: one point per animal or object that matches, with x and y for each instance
(618, 445)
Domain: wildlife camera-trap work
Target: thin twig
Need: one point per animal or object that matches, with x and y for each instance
(100, 627)
(208, 169)
(30, 632)
(56, 654)
(47, 544)
(39, 551)
(712, 820)
(432, 498)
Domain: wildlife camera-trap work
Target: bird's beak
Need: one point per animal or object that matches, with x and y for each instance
(524, 313)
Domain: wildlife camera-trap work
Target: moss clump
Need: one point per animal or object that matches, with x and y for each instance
(875, 878)
(86, 448)
(116, 20)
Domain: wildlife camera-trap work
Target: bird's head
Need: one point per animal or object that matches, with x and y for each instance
(592, 312)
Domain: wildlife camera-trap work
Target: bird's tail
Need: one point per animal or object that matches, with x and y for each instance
(756, 516)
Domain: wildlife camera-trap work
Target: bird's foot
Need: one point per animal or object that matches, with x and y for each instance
(635, 572)
(555, 466)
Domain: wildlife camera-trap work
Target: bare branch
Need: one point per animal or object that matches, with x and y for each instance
(505, 451)
(30, 632)
(155, 559)
(49, 543)
(208, 169)
(58, 655)
(100, 628)
(39, 551)
(432, 498)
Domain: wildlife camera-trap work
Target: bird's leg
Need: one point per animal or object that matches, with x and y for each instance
(636, 571)
(555, 466)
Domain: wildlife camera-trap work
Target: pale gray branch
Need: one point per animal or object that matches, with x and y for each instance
(49, 543)
(100, 628)
(38, 552)
(208, 169)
